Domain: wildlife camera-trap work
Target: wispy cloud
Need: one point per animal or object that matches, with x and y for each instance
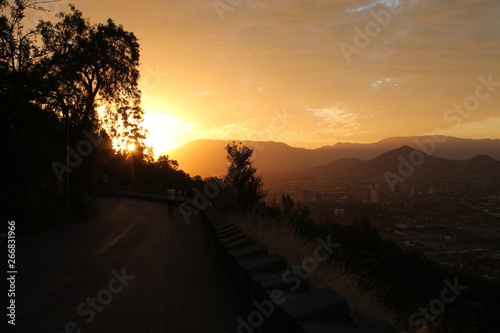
(334, 117)
(266, 54)
(244, 130)
(387, 3)
(385, 82)
(335, 123)
(204, 93)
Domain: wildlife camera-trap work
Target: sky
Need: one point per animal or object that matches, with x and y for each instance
(311, 72)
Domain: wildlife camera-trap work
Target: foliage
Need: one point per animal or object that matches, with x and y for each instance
(241, 176)
(65, 98)
(405, 281)
(156, 176)
(89, 66)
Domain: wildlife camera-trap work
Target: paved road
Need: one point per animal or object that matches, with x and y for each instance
(131, 269)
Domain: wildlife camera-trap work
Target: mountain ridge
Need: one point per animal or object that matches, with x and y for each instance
(207, 157)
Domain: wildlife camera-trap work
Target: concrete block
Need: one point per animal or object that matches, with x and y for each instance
(226, 227)
(251, 269)
(321, 305)
(325, 327)
(238, 243)
(380, 326)
(232, 238)
(228, 232)
(284, 281)
(220, 221)
(253, 251)
(269, 264)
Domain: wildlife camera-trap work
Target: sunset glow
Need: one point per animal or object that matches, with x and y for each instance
(343, 72)
(131, 147)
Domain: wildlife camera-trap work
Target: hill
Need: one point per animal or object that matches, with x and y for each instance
(208, 157)
(414, 161)
(445, 147)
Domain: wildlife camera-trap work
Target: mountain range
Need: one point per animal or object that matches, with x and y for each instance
(442, 155)
(404, 161)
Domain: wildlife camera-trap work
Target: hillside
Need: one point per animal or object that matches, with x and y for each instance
(447, 147)
(422, 165)
(208, 157)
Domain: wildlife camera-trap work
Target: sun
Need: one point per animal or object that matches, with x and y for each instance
(131, 147)
(166, 132)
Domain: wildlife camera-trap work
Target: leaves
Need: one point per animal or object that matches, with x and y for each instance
(241, 176)
(90, 67)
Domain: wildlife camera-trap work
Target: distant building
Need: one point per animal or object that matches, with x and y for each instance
(305, 195)
(374, 193)
(318, 196)
(461, 238)
(433, 218)
(339, 211)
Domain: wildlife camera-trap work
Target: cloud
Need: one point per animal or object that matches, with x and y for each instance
(333, 116)
(335, 123)
(204, 93)
(242, 130)
(385, 82)
(266, 54)
(387, 3)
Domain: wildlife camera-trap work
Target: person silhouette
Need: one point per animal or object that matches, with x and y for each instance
(170, 200)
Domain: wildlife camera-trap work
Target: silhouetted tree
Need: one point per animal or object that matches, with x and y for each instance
(91, 66)
(28, 134)
(166, 163)
(287, 203)
(50, 92)
(242, 177)
(17, 47)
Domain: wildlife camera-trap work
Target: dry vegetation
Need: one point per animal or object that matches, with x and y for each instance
(279, 238)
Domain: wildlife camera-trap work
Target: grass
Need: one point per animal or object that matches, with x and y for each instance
(365, 306)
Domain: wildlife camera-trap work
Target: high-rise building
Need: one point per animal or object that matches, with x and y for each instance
(318, 196)
(374, 193)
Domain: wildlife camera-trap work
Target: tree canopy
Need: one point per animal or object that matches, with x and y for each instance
(68, 94)
(242, 177)
(90, 68)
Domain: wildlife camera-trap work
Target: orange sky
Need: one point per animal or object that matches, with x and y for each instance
(300, 71)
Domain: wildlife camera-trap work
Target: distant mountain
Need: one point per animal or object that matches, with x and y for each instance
(341, 165)
(480, 164)
(446, 147)
(208, 157)
(410, 161)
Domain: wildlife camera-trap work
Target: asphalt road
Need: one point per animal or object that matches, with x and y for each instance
(131, 269)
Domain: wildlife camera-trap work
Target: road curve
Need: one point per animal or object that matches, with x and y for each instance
(131, 269)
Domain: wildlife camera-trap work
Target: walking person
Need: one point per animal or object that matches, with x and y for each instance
(170, 200)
